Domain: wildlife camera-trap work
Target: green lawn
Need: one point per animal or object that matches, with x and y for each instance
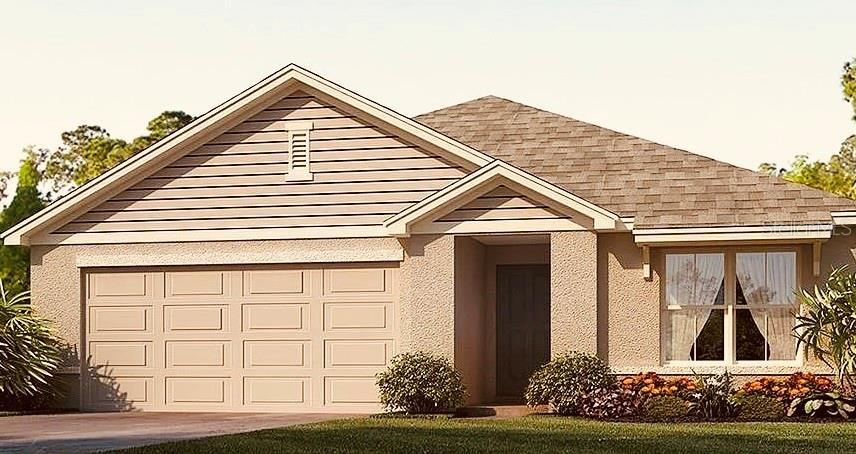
(536, 434)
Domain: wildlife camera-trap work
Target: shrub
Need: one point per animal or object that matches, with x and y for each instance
(650, 384)
(823, 404)
(713, 398)
(664, 408)
(29, 353)
(826, 324)
(610, 402)
(420, 383)
(563, 382)
(760, 408)
(788, 388)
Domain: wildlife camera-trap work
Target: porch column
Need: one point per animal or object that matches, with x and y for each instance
(428, 295)
(573, 292)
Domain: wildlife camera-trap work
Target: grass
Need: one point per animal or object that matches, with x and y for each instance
(535, 434)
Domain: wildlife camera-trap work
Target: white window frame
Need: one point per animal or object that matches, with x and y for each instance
(730, 333)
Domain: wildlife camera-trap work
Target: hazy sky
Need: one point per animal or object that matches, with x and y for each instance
(739, 81)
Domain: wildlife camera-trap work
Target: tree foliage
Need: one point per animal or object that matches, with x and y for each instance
(88, 151)
(14, 260)
(838, 175)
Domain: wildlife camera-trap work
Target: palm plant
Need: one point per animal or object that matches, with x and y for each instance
(29, 353)
(826, 324)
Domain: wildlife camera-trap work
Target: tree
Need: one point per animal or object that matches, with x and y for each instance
(88, 151)
(15, 260)
(838, 175)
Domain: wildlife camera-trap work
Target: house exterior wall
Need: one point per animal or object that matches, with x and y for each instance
(501, 203)
(573, 292)
(628, 305)
(362, 174)
(470, 312)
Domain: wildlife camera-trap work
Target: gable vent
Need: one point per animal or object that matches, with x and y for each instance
(298, 151)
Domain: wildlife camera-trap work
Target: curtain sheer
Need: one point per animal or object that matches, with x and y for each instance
(691, 280)
(770, 279)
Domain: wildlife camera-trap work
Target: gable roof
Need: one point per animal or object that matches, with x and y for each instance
(488, 177)
(658, 185)
(215, 121)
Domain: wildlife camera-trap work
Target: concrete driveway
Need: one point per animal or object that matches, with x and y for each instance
(87, 432)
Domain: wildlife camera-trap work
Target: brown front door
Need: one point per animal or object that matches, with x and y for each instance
(522, 325)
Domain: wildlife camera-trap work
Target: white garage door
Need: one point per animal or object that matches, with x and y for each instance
(243, 339)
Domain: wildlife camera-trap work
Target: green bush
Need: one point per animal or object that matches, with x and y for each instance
(665, 408)
(760, 408)
(29, 354)
(563, 382)
(713, 397)
(420, 383)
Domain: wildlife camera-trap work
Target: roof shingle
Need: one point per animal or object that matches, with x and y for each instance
(659, 185)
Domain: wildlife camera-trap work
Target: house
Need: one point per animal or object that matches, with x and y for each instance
(274, 254)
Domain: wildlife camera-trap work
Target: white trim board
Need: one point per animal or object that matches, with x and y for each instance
(212, 122)
(700, 235)
(489, 177)
(246, 258)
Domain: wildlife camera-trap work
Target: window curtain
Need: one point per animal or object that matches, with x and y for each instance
(770, 279)
(692, 280)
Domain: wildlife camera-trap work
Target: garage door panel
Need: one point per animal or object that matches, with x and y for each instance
(363, 317)
(357, 353)
(121, 392)
(277, 391)
(291, 317)
(198, 354)
(357, 281)
(179, 318)
(121, 354)
(350, 391)
(204, 391)
(249, 338)
(120, 319)
(280, 283)
(196, 284)
(276, 353)
(121, 286)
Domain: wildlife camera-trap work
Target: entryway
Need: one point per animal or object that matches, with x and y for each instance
(522, 326)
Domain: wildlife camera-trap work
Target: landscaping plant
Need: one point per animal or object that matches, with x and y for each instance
(650, 384)
(756, 407)
(609, 403)
(29, 353)
(421, 383)
(664, 408)
(564, 382)
(823, 404)
(788, 388)
(713, 398)
(827, 323)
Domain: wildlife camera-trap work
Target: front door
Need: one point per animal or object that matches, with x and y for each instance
(522, 325)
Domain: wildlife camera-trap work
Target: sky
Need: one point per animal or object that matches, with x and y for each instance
(742, 82)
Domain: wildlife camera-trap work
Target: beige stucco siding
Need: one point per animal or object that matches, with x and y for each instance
(362, 174)
(428, 295)
(573, 292)
(628, 305)
(471, 331)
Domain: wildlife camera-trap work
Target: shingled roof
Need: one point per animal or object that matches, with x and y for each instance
(659, 185)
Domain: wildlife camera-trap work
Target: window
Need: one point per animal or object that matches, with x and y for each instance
(730, 307)
(298, 151)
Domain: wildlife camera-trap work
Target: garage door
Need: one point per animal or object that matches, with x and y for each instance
(246, 339)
